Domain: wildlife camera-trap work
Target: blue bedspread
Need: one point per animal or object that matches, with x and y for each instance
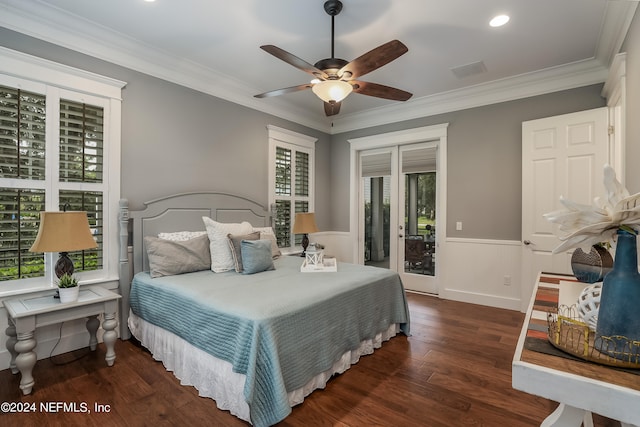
(279, 328)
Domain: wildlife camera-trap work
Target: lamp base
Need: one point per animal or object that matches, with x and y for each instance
(305, 243)
(64, 265)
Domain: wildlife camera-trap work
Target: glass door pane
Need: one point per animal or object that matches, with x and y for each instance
(376, 197)
(377, 208)
(420, 223)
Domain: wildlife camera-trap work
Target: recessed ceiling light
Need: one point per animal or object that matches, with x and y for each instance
(149, 1)
(499, 21)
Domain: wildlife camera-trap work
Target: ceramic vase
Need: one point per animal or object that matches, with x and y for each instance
(619, 311)
(69, 294)
(591, 267)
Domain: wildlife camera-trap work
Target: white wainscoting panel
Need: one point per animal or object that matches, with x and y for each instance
(476, 270)
(338, 244)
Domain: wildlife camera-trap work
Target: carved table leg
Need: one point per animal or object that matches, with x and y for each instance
(26, 360)
(92, 326)
(109, 336)
(11, 345)
(568, 416)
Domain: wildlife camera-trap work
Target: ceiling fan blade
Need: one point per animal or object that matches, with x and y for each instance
(294, 60)
(332, 108)
(380, 91)
(282, 91)
(373, 59)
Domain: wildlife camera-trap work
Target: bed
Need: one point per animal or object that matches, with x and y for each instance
(257, 344)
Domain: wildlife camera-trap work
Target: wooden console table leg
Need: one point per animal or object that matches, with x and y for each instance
(109, 336)
(11, 345)
(26, 360)
(92, 326)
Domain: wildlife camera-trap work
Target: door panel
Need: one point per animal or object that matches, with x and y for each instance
(561, 156)
(417, 245)
(376, 196)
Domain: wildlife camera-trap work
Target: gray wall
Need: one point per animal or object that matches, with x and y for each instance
(176, 140)
(632, 48)
(484, 161)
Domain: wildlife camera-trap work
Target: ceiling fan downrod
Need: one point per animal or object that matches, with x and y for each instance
(332, 7)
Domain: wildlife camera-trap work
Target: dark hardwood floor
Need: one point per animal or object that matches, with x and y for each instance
(455, 370)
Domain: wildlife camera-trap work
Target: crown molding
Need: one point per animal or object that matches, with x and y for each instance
(54, 26)
(615, 26)
(48, 23)
(555, 79)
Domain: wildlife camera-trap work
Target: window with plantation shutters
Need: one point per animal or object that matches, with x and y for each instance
(54, 147)
(291, 178)
(23, 148)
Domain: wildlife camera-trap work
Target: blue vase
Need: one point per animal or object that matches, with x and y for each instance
(619, 312)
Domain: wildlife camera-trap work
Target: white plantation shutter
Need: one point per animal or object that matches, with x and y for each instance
(22, 134)
(19, 222)
(81, 142)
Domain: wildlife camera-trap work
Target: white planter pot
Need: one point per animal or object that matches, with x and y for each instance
(69, 294)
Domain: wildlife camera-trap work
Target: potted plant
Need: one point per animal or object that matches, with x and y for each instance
(68, 288)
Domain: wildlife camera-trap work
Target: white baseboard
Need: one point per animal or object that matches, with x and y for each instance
(496, 301)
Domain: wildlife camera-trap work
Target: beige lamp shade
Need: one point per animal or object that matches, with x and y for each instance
(305, 223)
(63, 232)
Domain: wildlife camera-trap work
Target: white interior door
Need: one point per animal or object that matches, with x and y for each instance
(563, 155)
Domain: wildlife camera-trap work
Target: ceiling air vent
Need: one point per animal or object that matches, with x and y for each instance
(469, 69)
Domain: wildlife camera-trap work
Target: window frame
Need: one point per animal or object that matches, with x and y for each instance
(56, 81)
(294, 141)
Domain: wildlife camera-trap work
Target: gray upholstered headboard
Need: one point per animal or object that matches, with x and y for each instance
(181, 212)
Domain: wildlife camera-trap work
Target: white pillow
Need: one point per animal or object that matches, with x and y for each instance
(221, 256)
(181, 236)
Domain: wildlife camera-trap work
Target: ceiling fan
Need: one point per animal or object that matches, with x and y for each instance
(335, 78)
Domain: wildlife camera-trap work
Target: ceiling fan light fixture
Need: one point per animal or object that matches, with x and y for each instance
(332, 90)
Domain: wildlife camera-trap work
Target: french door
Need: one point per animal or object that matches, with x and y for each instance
(398, 206)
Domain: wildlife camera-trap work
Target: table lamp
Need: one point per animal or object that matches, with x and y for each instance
(305, 223)
(63, 232)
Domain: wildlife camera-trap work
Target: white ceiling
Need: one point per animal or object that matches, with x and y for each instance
(213, 46)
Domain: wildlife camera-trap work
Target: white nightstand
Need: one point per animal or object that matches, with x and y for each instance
(27, 313)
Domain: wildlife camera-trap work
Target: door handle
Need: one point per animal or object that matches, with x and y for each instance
(400, 235)
(527, 242)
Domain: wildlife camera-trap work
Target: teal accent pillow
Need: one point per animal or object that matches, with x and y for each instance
(256, 256)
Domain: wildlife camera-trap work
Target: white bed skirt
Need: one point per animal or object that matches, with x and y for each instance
(214, 377)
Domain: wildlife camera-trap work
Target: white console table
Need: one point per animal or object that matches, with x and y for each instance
(28, 313)
(580, 387)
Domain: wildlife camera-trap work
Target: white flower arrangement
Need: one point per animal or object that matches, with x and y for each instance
(584, 226)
